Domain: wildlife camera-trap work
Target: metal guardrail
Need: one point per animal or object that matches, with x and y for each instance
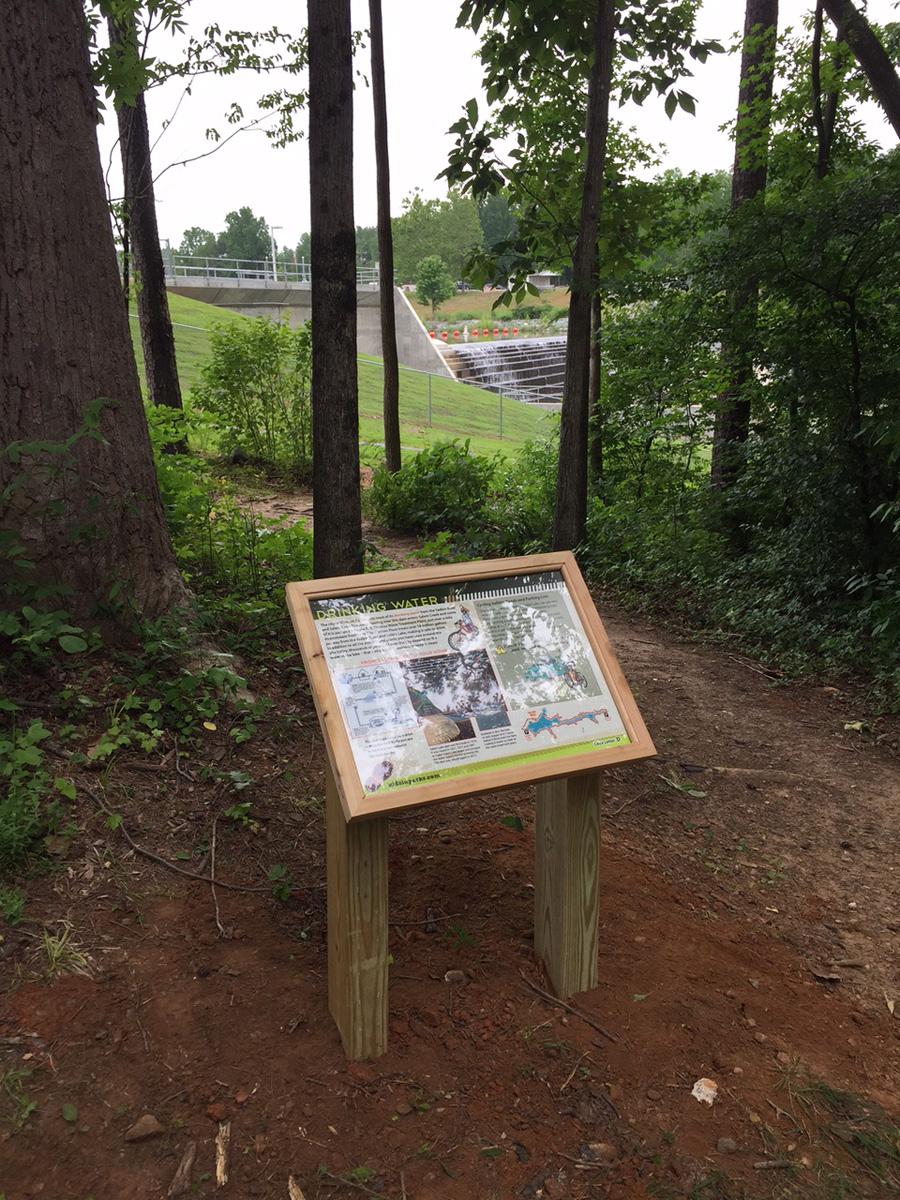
(184, 268)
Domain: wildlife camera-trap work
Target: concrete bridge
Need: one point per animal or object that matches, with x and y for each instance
(262, 288)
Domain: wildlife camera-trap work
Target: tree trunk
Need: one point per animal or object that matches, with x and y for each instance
(337, 528)
(149, 274)
(90, 518)
(855, 30)
(595, 417)
(751, 160)
(385, 246)
(572, 476)
(824, 108)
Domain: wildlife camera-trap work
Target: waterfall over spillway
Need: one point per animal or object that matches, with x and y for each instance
(531, 370)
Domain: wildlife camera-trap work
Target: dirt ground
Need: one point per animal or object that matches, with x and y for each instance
(749, 934)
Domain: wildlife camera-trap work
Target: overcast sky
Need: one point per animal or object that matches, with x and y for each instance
(431, 72)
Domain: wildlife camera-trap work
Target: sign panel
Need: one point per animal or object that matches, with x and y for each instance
(446, 681)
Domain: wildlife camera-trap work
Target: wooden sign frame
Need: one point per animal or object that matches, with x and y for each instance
(567, 812)
(359, 805)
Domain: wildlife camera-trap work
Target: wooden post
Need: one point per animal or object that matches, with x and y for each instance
(566, 888)
(357, 876)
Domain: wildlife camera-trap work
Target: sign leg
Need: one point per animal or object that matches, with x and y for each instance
(566, 888)
(357, 877)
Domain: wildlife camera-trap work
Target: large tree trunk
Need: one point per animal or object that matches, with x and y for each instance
(148, 274)
(572, 476)
(385, 246)
(855, 30)
(748, 180)
(337, 528)
(90, 518)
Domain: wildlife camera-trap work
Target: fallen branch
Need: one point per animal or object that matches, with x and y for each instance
(181, 1181)
(212, 875)
(773, 1164)
(569, 1008)
(164, 862)
(223, 1137)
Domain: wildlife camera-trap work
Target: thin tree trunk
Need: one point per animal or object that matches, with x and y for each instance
(595, 419)
(572, 477)
(337, 528)
(157, 337)
(824, 107)
(91, 518)
(855, 30)
(385, 246)
(751, 160)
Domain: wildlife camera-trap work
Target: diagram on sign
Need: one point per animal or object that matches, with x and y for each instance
(374, 698)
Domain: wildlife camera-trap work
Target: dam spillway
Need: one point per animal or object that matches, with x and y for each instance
(531, 370)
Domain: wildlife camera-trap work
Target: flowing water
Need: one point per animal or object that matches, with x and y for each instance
(530, 370)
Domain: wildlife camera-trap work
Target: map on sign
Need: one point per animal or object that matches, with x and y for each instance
(449, 680)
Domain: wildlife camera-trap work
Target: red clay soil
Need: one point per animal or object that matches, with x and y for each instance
(749, 935)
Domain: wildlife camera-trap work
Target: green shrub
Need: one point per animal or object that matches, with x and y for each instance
(257, 386)
(443, 487)
(530, 312)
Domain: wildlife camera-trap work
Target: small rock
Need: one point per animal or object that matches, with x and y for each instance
(599, 1152)
(144, 1127)
(760, 1037)
(241, 1096)
(521, 1152)
(216, 1112)
(737, 1070)
(456, 977)
(653, 1094)
(726, 1145)
(751, 1024)
(783, 1057)
(403, 1109)
(554, 1190)
(858, 1017)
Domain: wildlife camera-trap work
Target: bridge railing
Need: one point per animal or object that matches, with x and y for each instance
(185, 268)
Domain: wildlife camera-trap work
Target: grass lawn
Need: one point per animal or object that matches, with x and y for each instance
(457, 409)
(481, 303)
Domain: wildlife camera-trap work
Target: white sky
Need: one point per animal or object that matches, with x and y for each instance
(431, 72)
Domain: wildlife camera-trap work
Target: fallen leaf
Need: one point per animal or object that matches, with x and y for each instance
(210, 725)
(890, 1003)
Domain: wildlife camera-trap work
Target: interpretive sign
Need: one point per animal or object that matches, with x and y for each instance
(448, 681)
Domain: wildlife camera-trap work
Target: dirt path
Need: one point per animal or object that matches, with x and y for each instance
(762, 863)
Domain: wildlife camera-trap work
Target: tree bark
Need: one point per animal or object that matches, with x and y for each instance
(748, 180)
(572, 476)
(89, 518)
(148, 272)
(385, 246)
(337, 528)
(855, 30)
(595, 418)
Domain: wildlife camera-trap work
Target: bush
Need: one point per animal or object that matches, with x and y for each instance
(257, 386)
(443, 487)
(530, 312)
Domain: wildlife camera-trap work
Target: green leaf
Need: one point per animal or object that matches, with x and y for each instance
(671, 104)
(472, 111)
(70, 1113)
(638, 996)
(72, 644)
(65, 787)
(513, 822)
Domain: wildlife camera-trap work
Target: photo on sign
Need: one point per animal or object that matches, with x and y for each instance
(453, 694)
(540, 653)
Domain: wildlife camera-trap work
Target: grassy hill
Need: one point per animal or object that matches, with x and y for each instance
(457, 409)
